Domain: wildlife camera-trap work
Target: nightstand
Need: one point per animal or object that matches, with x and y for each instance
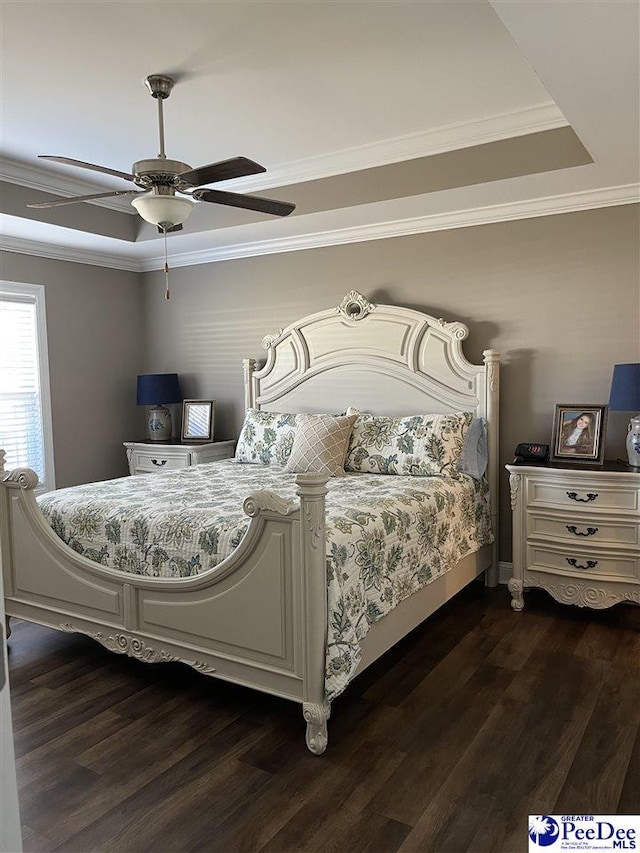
(151, 457)
(576, 533)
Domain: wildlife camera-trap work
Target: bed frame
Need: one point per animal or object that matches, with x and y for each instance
(260, 617)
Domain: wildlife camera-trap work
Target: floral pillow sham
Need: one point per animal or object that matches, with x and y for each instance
(266, 438)
(419, 445)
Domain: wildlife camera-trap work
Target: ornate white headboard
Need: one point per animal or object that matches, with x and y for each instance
(382, 359)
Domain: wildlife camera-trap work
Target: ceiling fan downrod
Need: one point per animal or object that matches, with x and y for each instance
(160, 87)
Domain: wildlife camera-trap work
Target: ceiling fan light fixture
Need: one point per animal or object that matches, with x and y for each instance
(163, 210)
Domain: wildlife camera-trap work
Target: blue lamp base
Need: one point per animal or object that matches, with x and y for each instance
(159, 424)
(633, 442)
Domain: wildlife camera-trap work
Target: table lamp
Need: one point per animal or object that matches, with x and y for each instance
(625, 397)
(154, 389)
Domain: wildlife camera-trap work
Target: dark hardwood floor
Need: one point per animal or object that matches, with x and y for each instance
(479, 718)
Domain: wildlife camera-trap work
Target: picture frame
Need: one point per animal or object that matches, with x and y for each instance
(198, 420)
(579, 433)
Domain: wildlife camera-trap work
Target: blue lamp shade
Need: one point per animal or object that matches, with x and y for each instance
(625, 397)
(157, 388)
(625, 388)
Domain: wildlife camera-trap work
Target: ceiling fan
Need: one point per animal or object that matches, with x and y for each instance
(169, 188)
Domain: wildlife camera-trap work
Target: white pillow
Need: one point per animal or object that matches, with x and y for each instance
(320, 444)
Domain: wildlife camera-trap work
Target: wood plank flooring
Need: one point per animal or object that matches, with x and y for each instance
(479, 718)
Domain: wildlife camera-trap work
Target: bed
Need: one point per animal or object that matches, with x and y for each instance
(265, 612)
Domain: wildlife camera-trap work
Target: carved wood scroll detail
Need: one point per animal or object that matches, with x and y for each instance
(491, 359)
(269, 501)
(316, 717)
(312, 489)
(514, 485)
(516, 588)
(314, 516)
(457, 330)
(269, 340)
(127, 644)
(24, 477)
(583, 595)
(355, 306)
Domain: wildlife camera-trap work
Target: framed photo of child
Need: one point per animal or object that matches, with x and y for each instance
(578, 433)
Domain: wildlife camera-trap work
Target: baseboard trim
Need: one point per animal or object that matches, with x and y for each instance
(505, 571)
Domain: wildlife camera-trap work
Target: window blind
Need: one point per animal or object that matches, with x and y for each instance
(22, 426)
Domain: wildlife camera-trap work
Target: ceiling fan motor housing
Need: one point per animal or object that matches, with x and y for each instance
(158, 172)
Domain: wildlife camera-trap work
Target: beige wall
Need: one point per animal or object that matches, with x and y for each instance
(95, 353)
(559, 297)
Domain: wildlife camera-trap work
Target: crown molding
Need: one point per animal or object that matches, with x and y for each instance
(547, 206)
(44, 180)
(439, 140)
(423, 144)
(23, 246)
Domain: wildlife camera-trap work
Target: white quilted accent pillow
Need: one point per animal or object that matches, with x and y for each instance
(320, 444)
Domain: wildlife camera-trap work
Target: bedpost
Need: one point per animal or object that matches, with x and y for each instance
(492, 398)
(249, 365)
(312, 489)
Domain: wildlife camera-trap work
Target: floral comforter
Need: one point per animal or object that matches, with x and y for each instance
(387, 536)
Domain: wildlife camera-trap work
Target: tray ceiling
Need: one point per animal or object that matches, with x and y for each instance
(376, 118)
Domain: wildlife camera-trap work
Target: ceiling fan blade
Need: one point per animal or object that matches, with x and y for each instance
(237, 167)
(75, 199)
(70, 162)
(170, 230)
(250, 202)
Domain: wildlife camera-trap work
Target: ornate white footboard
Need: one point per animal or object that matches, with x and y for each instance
(258, 619)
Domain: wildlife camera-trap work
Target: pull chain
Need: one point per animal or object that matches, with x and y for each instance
(167, 294)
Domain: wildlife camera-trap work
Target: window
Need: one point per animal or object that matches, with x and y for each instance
(25, 408)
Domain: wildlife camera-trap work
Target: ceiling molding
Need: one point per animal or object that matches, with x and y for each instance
(423, 144)
(36, 178)
(451, 137)
(38, 249)
(487, 215)
(549, 206)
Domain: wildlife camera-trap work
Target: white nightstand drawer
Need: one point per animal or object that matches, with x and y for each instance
(581, 495)
(156, 461)
(146, 457)
(583, 562)
(591, 530)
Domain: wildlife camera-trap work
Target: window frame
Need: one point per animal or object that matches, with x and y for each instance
(35, 293)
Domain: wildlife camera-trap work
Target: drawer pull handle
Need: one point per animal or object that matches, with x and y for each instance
(573, 529)
(573, 562)
(590, 497)
(160, 463)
